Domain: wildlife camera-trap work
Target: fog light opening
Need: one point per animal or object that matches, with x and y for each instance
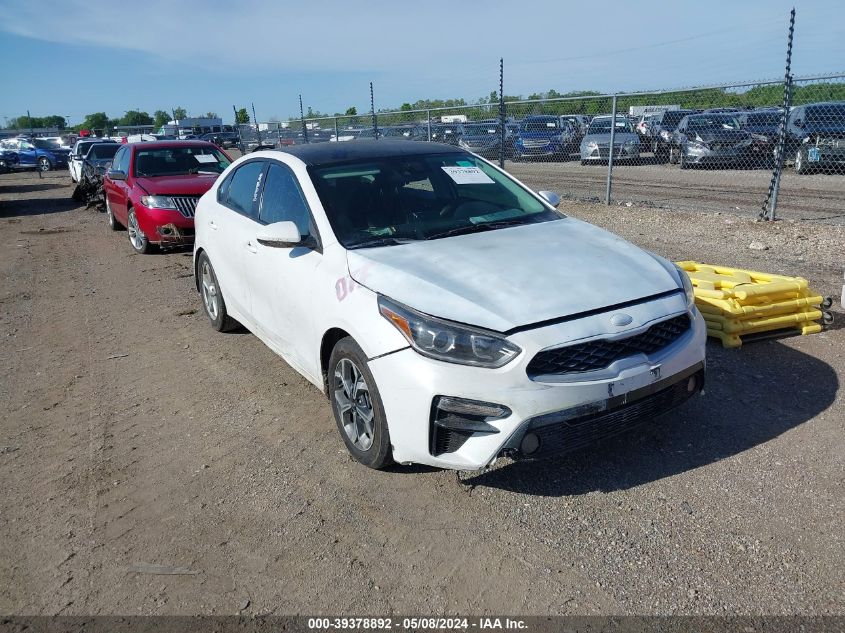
(692, 383)
(530, 444)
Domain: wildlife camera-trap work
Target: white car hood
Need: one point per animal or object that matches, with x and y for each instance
(511, 277)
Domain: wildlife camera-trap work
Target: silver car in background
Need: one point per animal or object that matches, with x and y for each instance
(595, 146)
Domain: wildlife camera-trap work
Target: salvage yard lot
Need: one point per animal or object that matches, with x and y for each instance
(816, 197)
(132, 434)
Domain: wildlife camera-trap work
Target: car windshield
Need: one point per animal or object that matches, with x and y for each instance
(174, 161)
(715, 122)
(43, 144)
(541, 125)
(392, 200)
(602, 126)
(480, 130)
(826, 114)
(99, 151)
(764, 118)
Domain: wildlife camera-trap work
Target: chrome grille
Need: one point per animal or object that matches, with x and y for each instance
(534, 144)
(186, 205)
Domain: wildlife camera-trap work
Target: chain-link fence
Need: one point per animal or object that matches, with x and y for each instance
(709, 148)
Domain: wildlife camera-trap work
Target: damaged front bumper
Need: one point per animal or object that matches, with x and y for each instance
(490, 412)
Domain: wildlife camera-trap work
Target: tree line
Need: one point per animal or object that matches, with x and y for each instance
(101, 121)
(579, 102)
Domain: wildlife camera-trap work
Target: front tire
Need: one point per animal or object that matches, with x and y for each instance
(212, 297)
(44, 164)
(357, 406)
(802, 164)
(683, 163)
(137, 239)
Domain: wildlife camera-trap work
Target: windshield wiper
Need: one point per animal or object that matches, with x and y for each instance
(476, 228)
(381, 241)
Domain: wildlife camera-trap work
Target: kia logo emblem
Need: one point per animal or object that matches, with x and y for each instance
(621, 319)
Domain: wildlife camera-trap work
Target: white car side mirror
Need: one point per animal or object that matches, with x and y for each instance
(279, 235)
(551, 197)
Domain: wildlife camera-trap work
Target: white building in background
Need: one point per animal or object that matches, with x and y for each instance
(194, 125)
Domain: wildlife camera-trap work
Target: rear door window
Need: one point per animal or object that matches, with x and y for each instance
(244, 188)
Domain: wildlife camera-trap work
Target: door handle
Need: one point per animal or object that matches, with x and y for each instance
(252, 248)
(213, 225)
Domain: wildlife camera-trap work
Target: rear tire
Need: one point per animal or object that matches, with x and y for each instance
(357, 406)
(114, 225)
(212, 297)
(673, 156)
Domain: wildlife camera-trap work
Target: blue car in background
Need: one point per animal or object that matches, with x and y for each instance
(28, 154)
(8, 161)
(544, 136)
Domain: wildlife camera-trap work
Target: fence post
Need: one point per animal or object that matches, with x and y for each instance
(780, 150)
(610, 151)
(502, 112)
(302, 121)
(336, 132)
(774, 186)
(428, 116)
(373, 111)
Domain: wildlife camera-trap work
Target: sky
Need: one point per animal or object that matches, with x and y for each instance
(74, 57)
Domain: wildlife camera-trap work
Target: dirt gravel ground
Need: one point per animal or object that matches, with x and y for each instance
(132, 435)
(817, 197)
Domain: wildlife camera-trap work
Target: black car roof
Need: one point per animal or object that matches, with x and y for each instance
(323, 153)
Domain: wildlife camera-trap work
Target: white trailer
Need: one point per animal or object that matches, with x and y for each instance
(651, 109)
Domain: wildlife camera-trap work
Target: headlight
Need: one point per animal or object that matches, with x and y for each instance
(447, 341)
(688, 288)
(158, 202)
(630, 142)
(665, 135)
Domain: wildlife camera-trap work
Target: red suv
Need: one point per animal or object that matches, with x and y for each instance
(152, 189)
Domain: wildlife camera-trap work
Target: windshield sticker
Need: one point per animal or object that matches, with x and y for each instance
(468, 176)
(205, 158)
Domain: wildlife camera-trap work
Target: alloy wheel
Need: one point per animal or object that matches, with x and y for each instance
(136, 235)
(210, 298)
(352, 398)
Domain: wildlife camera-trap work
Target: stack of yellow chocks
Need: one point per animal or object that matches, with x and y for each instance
(737, 302)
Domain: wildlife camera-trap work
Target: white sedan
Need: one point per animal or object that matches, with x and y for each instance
(451, 315)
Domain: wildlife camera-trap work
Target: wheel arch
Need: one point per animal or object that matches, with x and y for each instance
(329, 340)
(197, 255)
